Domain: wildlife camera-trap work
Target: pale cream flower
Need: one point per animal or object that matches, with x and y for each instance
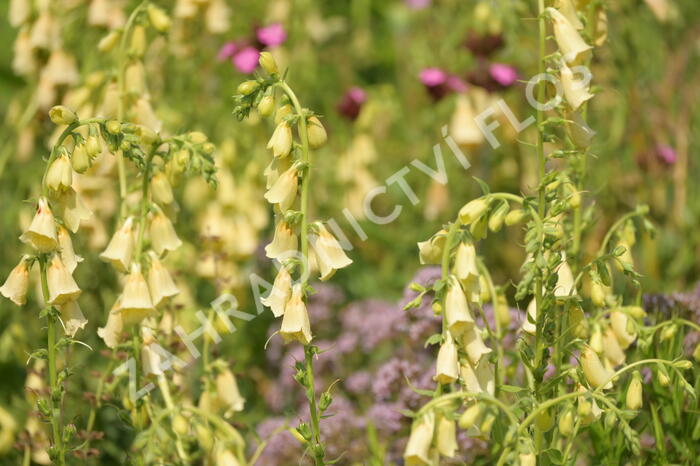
(570, 43)
(162, 234)
(280, 294)
(284, 243)
(61, 69)
(567, 8)
(217, 17)
(620, 323)
(72, 209)
(62, 287)
(121, 247)
(161, 189)
(19, 12)
(465, 262)
(430, 250)
(463, 127)
(446, 437)
(59, 176)
(611, 348)
(295, 323)
(565, 280)
(418, 447)
(474, 345)
(72, 318)
(281, 140)
(24, 62)
(160, 282)
(576, 90)
(316, 132)
(65, 245)
(227, 391)
(329, 253)
(135, 303)
(457, 314)
(151, 358)
(529, 323)
(143, 114)
(112, 330)
(41, 234)
(16, 286)
(593, 369)
(447, 368)
(284, 190)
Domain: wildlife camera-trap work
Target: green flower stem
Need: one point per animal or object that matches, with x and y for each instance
(643, 210)
(316, 443)
(56, 424)
(165, 390)
(121, 101)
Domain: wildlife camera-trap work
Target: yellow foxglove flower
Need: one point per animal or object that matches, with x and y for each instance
(161, 189)
(62, 287)
(280, 294)
(316, 132)
(430, 250)
(565, 280)
(596, 340)
(593, 369)
(567, 8)
(446, 437)
(121, 247)
(135, 303)
(457, 314)
(418, 447)
(570, 43)
(160, 282)
(611, 347)
(465, 261)
(598, 294)
(620, 324)
(68, 256)
(295, 323)
(281, 140)
(575, 90)
(72, 318)
(17, 284)
(566, 422)
(527, 459)
(73, 210)
(41, 234)
(61, 69)
(470, 416)
(144, 115)
(633, 399)
(447, 368)
(284, 190)
(329, 254)
(474, 345)
(151, 359)
(217, 18)
(79, 159)
(284, 244)
(19, 12)
(226, 458)
(473, 210)
(158, 18)
(463, 127)
(112, 330)
(162, 234)
(227, 391)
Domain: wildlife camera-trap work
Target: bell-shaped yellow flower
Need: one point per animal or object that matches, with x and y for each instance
(457, 314)
(68, 256)
(62, 287)
(329, 254)
(284, 243)
(160, 283)
(281, 140)
(135, 303)
(72, 318)
(162, 234)
(280, 294)
(447, 368)
(121, 247)
(570, 42)
(593, 369)
(283, 191)
(228, 393)
(418, 447)
(295, 323)
(41, 234)
(17, 284)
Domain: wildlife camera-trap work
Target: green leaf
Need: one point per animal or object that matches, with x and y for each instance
(433, 339)
(482, 184)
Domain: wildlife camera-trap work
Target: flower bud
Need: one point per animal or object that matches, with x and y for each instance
(92, 146)
(109, 41)
(248, 87)
(593, 369)
(633, 399)
(470, 416)
(204, 437)
(158, 18)
(267, 62)
(282, 112)
(197, 137)
(598, 294)
(487, 424)
(566, 422)
(266, 106)
(668, 332)
(683, 364)
(180, 425)
(514, 217)
(446, 437)
(137, 47)
(161, 190)
(502, 311)
(621, 325)
(62, 115)
(59, 176)
(544, 421)
(498, 217)
(17, 284)
(662, 377)
(473, 210)
(80, 160)
(316, 132)
(113, 127)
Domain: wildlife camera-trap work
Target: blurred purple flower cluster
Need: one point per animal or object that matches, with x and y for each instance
(683, 304)
(376, 352)
(244, 53)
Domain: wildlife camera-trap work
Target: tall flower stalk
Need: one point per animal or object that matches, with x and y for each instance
(319, 249)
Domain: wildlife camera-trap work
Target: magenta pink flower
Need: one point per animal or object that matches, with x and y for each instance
(456, 84)
(246, 60)
(272, 35)
(433, 77)
(417, 4)
(505, 75)
(351, 103)
(227, 51)
(666, 153)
